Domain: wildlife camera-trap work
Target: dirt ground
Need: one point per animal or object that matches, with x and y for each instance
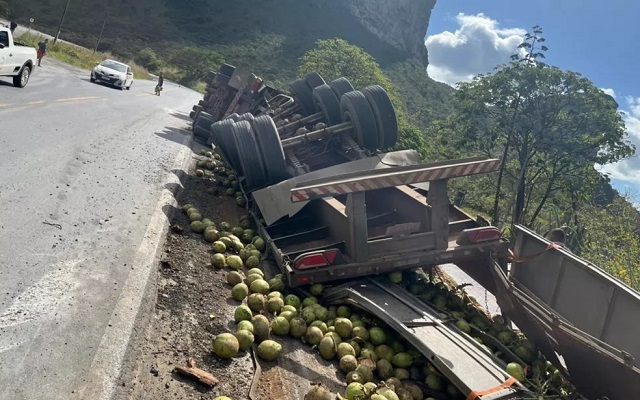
(194, 305)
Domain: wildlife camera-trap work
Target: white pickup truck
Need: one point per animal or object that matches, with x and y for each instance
(16, 60)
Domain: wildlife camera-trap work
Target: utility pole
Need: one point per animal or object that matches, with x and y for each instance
(100, 37)
(64, 13)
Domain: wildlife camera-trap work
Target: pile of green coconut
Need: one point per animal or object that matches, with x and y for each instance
(216, 171)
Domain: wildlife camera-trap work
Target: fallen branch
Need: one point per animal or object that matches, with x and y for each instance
(193, 372)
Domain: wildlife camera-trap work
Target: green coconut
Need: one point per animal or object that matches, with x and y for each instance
(245, 326)
(320, 324)
(252, 278)
(289, 315)
(225, 226)
(256, 302)
(360, 332)
(401, 373)
(384, 369)
(219, 247)
(274, 304)
(365, 371)
(234, 277)
(434, 382)
(377, 335)
(239, 291)
(516, 370)
(197, 226)
(314, 335)
(344, 349)
(259, 243)
(218, 260)
(316, 289)
(242, 313)
(256, 271)
(280, 326)
(261, 328)
(245, 339)
(211, 234)
(327, 348)
(353, 376)
(348, 363)
(343, 312)
(259, 286)
(234, 262)
(297, 327)
(225, 345)
(269, 350)
(343, 327)
(194, 216)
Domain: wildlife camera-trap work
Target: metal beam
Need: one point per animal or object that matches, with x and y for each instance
(363, 181)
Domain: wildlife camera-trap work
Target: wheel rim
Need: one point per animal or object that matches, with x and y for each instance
(25, 76)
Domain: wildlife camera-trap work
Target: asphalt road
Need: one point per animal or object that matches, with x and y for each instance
(83, 173)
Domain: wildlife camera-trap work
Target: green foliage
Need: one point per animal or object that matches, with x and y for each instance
(194, 62)
(4, 9)
(336, 58)
(548, 126)
(79, 56)
(148, 59)
(611, 239)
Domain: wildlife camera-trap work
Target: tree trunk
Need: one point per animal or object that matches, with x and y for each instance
(496, 202)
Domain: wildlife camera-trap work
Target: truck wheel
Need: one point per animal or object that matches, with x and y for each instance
(227, 69)
(201, 134)
(356, 109)
(328, 104)
(234, 117)
(192, 114)
(22, 79)
(385, 115)
(201, 118)
(250, 158)
(223, 138)
(341, 86)
(303, 95)
(210, 77)
(270, 148)
(314, 79)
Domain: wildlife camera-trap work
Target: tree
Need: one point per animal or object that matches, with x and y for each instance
(547, 125)
(148, 59)
(337, 58)
(4, 9)
(194, 62)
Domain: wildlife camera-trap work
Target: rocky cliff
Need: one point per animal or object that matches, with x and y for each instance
(400, 23)
(391, 30)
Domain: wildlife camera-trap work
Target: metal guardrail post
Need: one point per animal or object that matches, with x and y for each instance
(356, 210)
(439, 202)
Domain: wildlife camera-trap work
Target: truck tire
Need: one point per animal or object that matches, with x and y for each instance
(385, 115)
(314, 79)
(201, 134)
(328, 104)
(234, 117)
(201, 102)
(270, 148)
(227, 69)
(250, 158)
(203, 120)
(192, 114)
(356, 109)
(211, 75)
(341, 86)
(22, 78)
(223, 138)
(303, 95)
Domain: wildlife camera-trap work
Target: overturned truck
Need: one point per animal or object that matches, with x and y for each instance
(335, 205)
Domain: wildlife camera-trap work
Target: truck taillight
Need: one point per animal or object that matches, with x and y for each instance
(478, 235)
(315, 260)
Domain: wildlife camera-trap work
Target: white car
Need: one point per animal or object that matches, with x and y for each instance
(113, 73)
(16, 60)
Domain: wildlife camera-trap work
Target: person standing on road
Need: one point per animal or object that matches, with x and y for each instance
(160, 83)
(42, 50)
(13, 27)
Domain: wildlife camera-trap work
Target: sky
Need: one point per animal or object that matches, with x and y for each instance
(600, 40)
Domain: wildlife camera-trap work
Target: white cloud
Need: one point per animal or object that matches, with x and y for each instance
(628, 170)
(477, 46)
(610, 92)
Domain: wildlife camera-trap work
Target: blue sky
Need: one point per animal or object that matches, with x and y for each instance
(600, 40)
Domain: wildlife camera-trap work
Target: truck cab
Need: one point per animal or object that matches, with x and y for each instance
(16, 60)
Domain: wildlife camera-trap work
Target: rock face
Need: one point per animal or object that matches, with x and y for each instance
(390, 30)
(400, 23)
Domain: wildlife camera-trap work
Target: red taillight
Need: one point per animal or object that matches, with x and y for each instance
(315, 260)
(477, 235)
(303, 280)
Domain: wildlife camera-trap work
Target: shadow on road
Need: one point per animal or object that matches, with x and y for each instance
(174, 134)
(181, 115)
(6, 82)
